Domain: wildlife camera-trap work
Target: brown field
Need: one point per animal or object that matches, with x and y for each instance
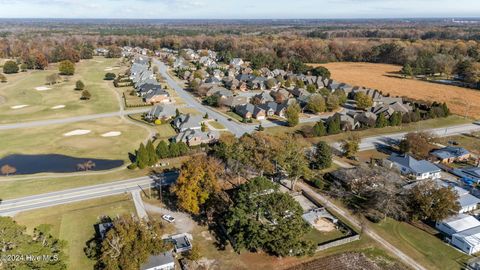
(382, 77)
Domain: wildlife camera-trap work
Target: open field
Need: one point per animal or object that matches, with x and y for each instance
(52, 139)
(423, 247)
(21, 89)
(379, 76)
(74, 223)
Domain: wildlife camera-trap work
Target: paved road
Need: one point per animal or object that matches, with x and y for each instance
(389, 139)
(234, 127)
(329, 205)
(74, 119)
(10, 207)
(139, 206)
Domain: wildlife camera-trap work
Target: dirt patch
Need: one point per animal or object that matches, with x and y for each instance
(324, 225)
(379, 76)
(346, 261)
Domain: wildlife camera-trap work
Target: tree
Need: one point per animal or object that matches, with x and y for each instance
(417, 143)
(429, 201)
(7, 170)
(79, 85)
(262, 218)
(363, 101)
(173, 149)
(271, 83)
(334, 125)
(85, 95)
(333, 102)
(130, 242)
(10, 67)
(407, 70)
(292, 160)
(162, 150)
(183, 148)
(342, 97)
(114, 52)
(319, 129)
(152, 155)
(212, 100)
(110, 76)
(141, 157)
(322, 72)
(23, 67)
(381, 121)
(311, 88)
(41, 61)
(292, 114)
(395, 119)
(15, 241)
(52, 78)
(66, 67)
(322, 158)
(350, 145)
(197, 182)
(3, 78)
(316, 104)
(194, 254)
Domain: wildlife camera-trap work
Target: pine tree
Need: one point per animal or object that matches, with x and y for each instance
(319, 129)
(445, 109)
(333, 125)
(152, 155)
(162, 150)
(182, 148)
(381, 121)
(323, 156)
(142, 157)
(173, 149)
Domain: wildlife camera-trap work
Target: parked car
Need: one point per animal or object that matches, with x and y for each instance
(168, 218)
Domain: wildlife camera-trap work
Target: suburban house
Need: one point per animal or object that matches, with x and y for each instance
(181, 242)
(233, 101)
(451, 154)
(457, 223)
(468, 240)
(193, 137)
(249, 110)
(469, 175)
(347, 122)
(101, 229)
(236, 62)
(157, 96)
(263, 97)
(187, 121)
(164, 261)
(273, 108)
(467, 201)
(419, 169)
(164, 112)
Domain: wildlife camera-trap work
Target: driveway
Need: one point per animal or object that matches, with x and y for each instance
(183, 222)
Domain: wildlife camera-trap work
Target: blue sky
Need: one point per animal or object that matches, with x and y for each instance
(235, 9)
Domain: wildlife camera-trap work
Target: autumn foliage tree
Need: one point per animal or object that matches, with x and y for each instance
(66, 67)
(7, 170)
(197, 182)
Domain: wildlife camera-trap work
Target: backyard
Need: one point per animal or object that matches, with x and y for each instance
(26, 97)
(74, 223)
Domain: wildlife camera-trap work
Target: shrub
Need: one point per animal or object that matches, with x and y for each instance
(79, 85)
(318, 183)
(85, 95)
(110, 76)
(3, 79)
(158, 122)
(10, 67)
(132, 166)
(374, 216)
(23, 67)
(66, 68)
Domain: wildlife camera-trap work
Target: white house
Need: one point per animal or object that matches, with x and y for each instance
(467, 201)
(468, 241)
(419, 169)
(456, 224)
(163, 261)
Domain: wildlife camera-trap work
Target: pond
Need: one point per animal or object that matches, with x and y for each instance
(31, 164)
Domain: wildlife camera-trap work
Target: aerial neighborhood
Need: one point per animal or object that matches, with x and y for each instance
(239, 144)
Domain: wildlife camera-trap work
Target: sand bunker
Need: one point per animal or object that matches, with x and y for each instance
(58, 107)
(77, 132)
(111, 68)
(324, 225)
(19, 106)
(112, 134)
(42, 88)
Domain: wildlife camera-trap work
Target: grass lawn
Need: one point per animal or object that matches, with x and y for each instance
(165, 131)
(427, 124)
(319, 237)
(216, 125)
(20, 90)
(423, 247)
(51, 139)
(234, 116)
(74, 223)
(467, 141)
(18, 186)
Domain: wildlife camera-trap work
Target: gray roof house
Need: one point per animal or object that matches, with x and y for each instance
(163, 261)
(181, 242)
(272, 108)
(419, 169)
(450, 154)
(164, 111)
(249, 110)
(264, 97)
(234, 101)
(188, 121)
(194, 137)
(236, 62)
(347, 122)
(367, 119)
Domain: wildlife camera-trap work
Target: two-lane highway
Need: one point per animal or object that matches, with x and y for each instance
(10, 207)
